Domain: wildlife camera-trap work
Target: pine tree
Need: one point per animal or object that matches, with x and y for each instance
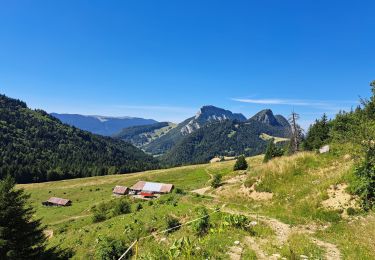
(21, 237)
(272, 151)
(216, 181)
(240, 164)
(318, 134)
(269, 151)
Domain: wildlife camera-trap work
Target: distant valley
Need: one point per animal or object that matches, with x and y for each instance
(102, 125)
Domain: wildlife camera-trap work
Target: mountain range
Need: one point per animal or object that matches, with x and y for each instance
(102, 125)
(36, 146)
(211, 132)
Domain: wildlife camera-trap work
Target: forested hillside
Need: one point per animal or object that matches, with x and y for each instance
(205, 115)
(212, 132)
(227, 138)
(35, 146)
(144, 134)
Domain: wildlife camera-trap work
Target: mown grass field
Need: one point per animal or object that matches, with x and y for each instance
(298, 183)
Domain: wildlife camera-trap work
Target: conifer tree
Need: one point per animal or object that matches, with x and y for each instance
(240, 164)
(318, 134)
(272, 151)
(21, 236)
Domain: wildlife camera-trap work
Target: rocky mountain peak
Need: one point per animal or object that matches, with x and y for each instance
(208, 114)
(266, 116)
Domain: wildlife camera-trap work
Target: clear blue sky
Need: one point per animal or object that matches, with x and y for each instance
(165, 59)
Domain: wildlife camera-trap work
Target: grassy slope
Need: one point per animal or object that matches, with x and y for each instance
(299, 184)
(267, 137)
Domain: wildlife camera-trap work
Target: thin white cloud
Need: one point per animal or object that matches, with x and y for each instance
(159, 108)
(294, 102)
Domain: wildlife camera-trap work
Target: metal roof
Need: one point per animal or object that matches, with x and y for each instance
(152, 187)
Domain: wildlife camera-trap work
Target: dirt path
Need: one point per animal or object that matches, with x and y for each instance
(283, 231)
(253, 245)
(332, 252)
(201, 191)
(70, 218)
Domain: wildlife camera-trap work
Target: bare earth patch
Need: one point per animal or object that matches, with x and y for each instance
(339, 199)
(201, 191)
(255, 195)
(235, 252)
(283, 232)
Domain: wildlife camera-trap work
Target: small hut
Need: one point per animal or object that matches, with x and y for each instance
(53, 201)
(120, 190)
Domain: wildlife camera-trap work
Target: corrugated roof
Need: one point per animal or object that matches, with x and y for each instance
(152, 187)
(166, 188)
(138, 186)
(120, 189)
(58, 201)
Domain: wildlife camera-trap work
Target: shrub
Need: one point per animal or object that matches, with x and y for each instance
(364, 183)
(121, 207)
(272, 151)
(109, 249)
(240, 164)
(99, 213)
(216, 181)
(138, 207)
(179, 191)
(238, 221)
(351, 211)
(172, 223)
(202, 225)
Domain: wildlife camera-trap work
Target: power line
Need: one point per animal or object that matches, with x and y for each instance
(183, 224)
(166, 230)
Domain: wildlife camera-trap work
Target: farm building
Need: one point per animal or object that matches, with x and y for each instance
(120, 190)
(53, 201)
(152, 187)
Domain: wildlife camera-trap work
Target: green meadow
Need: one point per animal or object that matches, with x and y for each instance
(292, 223)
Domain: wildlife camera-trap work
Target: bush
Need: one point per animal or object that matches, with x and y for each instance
(240, 164)
(121, 207)
(272, 151)
(99, 213)
(351, 211)
(179, 191)
(216, 181)
(138, 207)
(172, 223)
(109, 249)
(364, 183)
(237, 221)
(202, 225)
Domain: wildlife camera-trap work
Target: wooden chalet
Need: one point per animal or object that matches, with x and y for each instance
(53, 201)
(120, 190)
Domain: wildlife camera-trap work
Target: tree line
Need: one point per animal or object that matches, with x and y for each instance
(35, 147)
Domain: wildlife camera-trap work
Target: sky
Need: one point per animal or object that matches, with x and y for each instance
(166, 59)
